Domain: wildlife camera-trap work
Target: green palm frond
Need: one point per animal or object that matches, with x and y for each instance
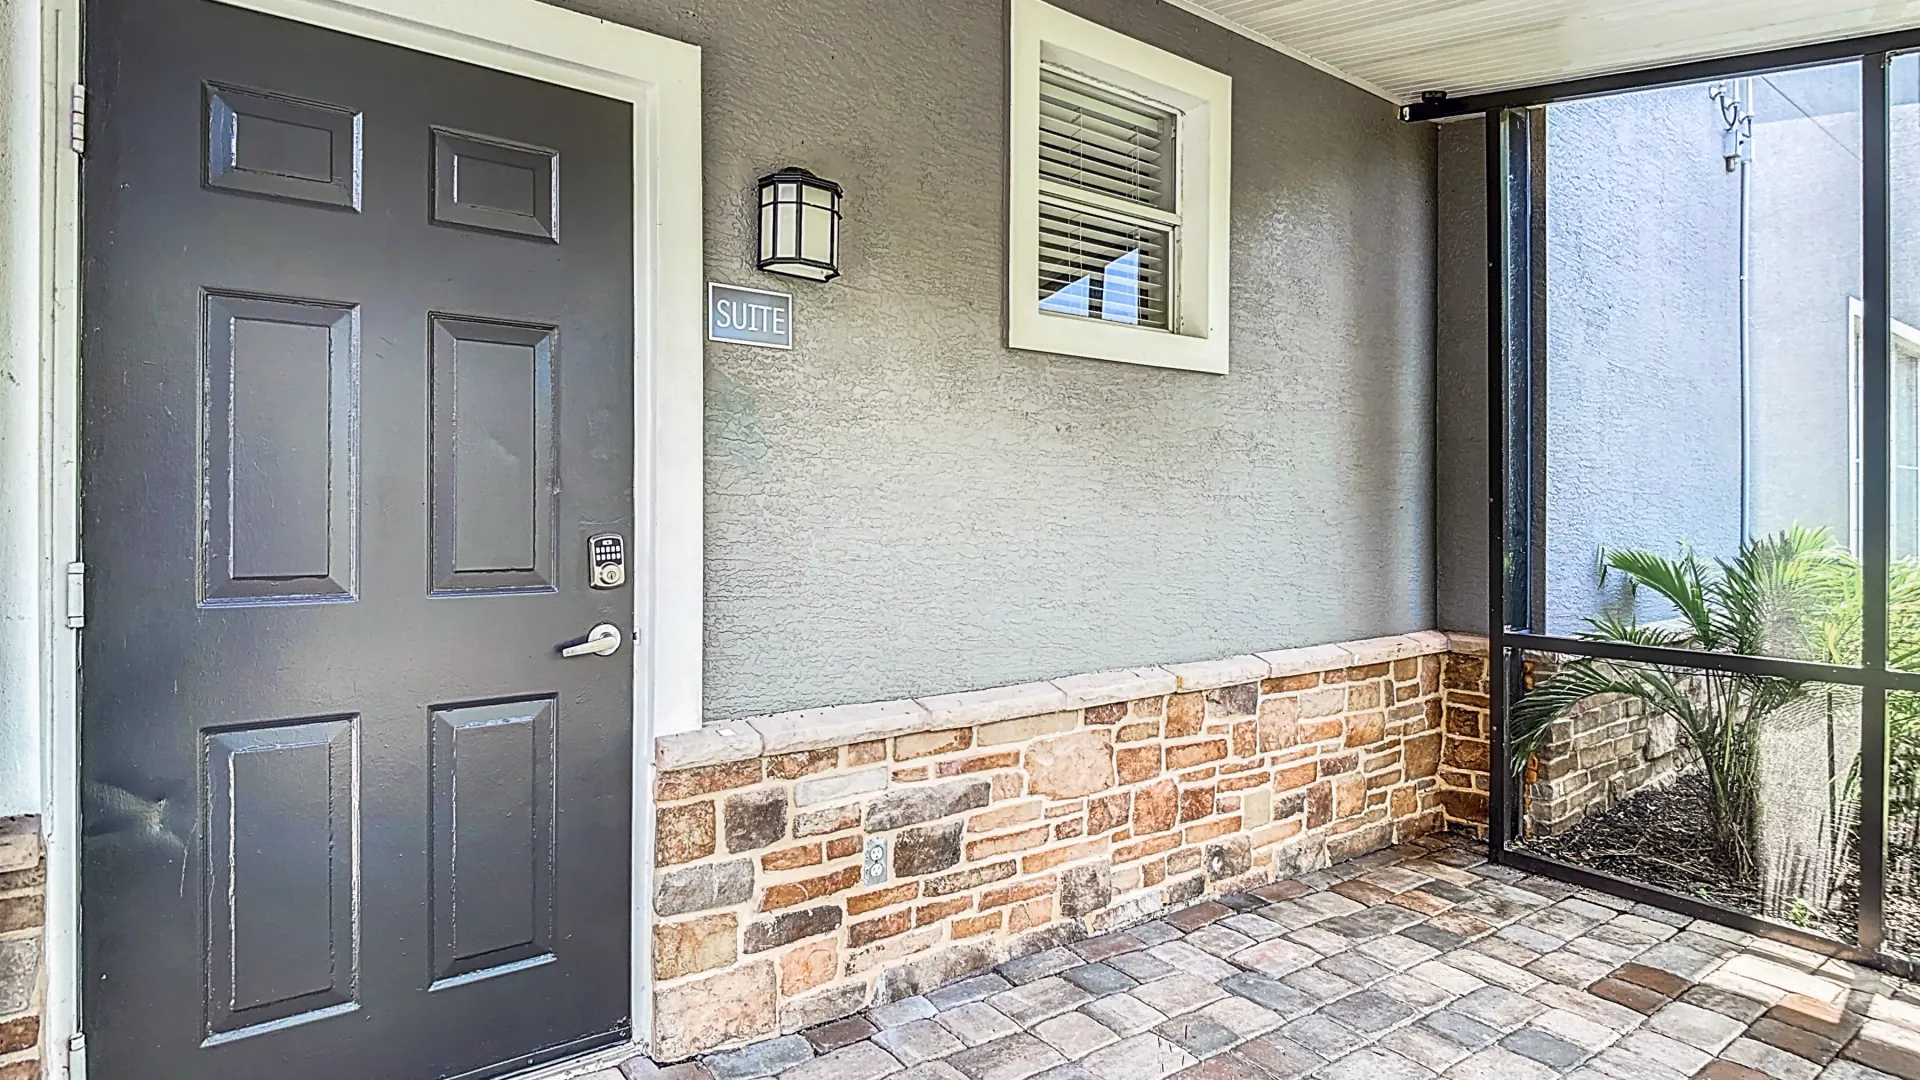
(1760, 598)
(1783, 594)
(1792, 593)
(1533, 716)
(1610, 628)
(1680, 581)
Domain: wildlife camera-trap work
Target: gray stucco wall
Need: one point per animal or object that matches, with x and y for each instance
(1806, 246)
(1460, 379)
(902, 506)
(1643, 408)
(1643, 441)
(1807, 218)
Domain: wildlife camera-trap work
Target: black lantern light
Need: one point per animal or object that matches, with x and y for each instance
(800, 225)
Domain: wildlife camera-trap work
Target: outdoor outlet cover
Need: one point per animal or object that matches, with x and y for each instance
(873, 866)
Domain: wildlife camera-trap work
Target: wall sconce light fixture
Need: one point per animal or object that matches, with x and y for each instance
(800, 225)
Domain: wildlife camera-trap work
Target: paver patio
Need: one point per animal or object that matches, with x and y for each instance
(1419, 961)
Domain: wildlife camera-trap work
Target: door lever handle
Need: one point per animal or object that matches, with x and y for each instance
(602, 640)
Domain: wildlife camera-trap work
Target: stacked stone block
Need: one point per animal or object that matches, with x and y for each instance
(1007, 833)
(23, 879)
(1466, 754)
(1602, 752)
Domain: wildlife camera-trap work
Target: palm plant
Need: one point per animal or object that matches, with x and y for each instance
(1758, 602)
(1838, 630)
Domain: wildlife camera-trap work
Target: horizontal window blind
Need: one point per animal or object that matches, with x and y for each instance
(1098, 140)
(1100, 267)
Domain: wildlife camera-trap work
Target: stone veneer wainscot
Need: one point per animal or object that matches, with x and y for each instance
(23, 881)
(1602, 751)
(1023, 817)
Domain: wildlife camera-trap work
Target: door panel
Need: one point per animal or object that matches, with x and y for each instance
(279, 147)
(282, 812)
(280, 456)
(352, 404)
(493, 457)
(493, 843)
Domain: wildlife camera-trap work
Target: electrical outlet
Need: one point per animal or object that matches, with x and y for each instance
(873, 865)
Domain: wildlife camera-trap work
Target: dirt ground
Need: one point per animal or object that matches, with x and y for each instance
(1657, 837)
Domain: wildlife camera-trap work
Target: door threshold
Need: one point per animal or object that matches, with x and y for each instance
(586, 1064)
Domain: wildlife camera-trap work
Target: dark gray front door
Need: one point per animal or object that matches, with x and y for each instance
(357, 391)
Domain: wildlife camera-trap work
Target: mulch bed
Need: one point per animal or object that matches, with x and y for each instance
(1903, 885)
(1657, 837)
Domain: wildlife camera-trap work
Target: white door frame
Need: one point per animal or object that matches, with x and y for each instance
(39, 227)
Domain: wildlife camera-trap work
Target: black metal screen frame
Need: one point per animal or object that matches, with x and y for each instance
(1515, 259)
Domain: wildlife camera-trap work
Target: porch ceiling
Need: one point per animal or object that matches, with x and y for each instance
(1397, 48)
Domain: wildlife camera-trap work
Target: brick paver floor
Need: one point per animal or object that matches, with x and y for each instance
(1420, 961)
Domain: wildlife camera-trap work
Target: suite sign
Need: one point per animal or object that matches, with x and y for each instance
(749, 316)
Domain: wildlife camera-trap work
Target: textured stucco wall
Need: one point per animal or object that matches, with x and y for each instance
(1643, 404)
(1805, 261)
(902, 506)
(1460, 379)
(1643, 399)
(21, 566)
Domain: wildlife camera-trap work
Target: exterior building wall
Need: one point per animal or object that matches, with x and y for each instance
(1643, 380)
(22, 566)
(903, 506)
(1643, 410)
(1806, 248)
(1018, 819)
(23, 880)
(1460, 378)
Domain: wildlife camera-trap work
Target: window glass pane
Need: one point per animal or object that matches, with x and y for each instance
(1701, 281)
(1100, 267)
(1104, 141)
(1903, 419)
(1737, 790)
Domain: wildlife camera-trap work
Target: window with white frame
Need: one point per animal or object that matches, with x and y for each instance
(1118, 214)
(1903, 428)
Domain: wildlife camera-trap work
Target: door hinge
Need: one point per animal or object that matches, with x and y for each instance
(76, 595)
(77, 1056)
(77, 120)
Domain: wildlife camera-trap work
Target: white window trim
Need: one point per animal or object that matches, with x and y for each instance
(1203, 143)
(1905, 339)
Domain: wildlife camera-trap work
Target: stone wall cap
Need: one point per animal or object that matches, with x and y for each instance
(716, 744)
(840, 725)
(19, 851)
(1213, 674)
(1381, 650)
(1466, 644)
(970, 707)
(1306, 659)
(1107, 687)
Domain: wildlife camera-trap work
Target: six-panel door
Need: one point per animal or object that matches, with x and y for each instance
(357, 390)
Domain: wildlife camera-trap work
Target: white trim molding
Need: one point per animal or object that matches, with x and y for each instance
(39, 277)
(1202, 100)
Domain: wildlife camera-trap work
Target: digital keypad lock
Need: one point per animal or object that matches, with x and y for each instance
(607, 561)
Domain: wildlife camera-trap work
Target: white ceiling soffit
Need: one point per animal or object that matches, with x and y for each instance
(1397, 48)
